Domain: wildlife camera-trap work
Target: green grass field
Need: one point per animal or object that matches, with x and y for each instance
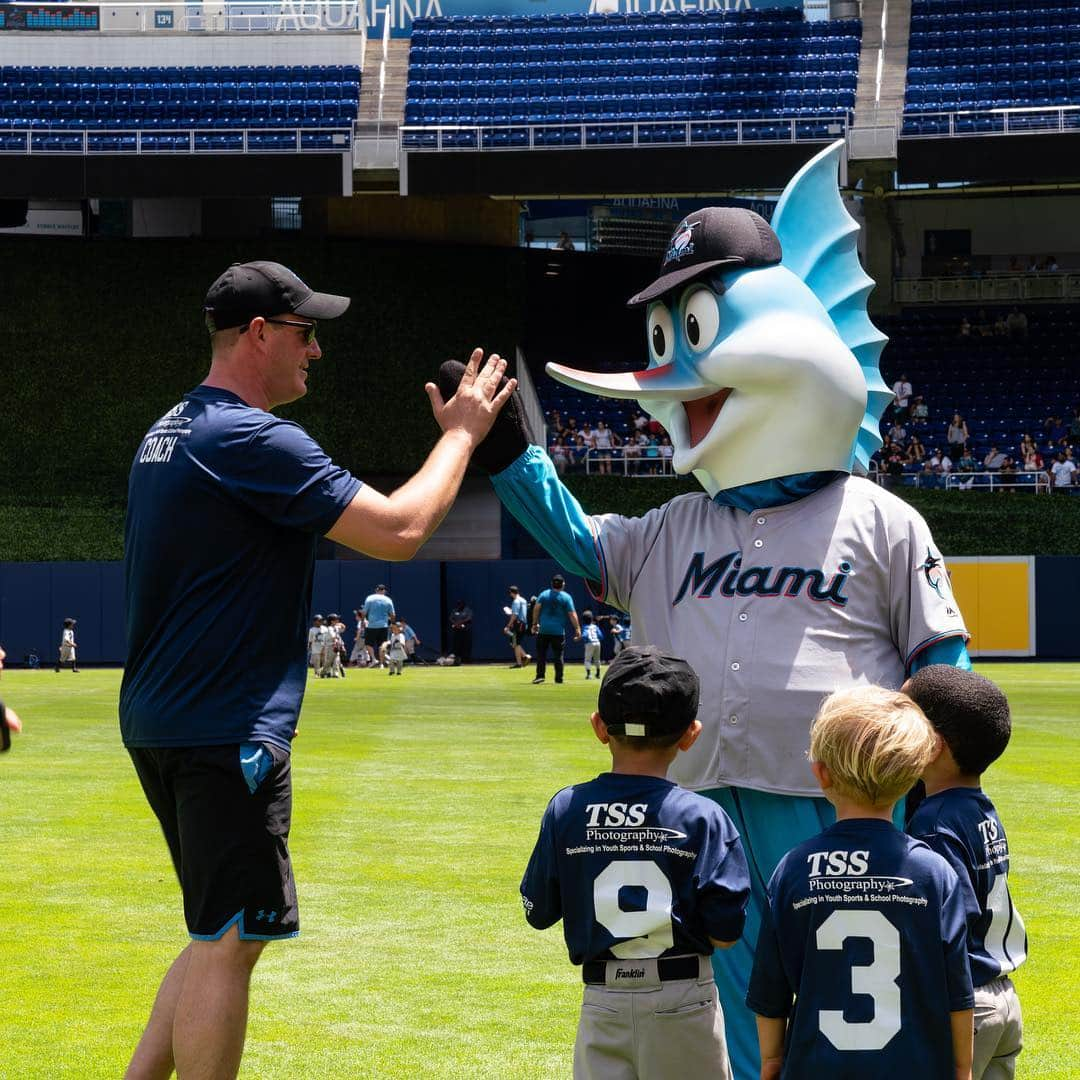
(416, 806)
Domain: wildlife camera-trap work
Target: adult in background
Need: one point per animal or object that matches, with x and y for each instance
(378, 612)
(359, 651)
(517, 626)
(226, 504)
(552, 613)
(9, 718)
(461, 619)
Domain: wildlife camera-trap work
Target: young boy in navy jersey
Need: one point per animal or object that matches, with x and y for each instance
(648, 879)
(971, 717)
(865, 927)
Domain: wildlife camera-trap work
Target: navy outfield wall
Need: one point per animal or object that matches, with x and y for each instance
(35, 598)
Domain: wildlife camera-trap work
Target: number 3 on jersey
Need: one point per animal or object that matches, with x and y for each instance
(877, 980)
(649, 926)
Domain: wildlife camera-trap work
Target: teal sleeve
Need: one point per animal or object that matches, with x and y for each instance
(950, 650)
(531, 490)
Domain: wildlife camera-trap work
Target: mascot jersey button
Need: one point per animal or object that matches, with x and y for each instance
(734, 719)
(743, 616)
(760, 521)
(759, 543)
(736, 666)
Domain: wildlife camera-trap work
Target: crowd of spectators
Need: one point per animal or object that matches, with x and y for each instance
(641, 447)
(904, 452)
(1014, 325)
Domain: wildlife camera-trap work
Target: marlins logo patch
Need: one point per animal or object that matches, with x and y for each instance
(932, 571)
(682, 243)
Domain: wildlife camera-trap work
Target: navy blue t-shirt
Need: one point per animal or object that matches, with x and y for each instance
(865, 929)
(962, 825)
(225, 507)
(636, 867)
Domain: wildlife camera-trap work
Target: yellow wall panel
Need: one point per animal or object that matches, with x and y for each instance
(995, 599)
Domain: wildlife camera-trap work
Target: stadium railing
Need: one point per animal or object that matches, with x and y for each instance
(87, 141)
(1061, 119)
(606, 134)
(990, 288)
(621, 463)
(1039, 482)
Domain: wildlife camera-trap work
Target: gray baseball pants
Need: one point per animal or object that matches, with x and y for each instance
(672, 1031)
(999, 1030)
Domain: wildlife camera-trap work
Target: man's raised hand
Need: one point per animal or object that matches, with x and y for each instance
(471, 399)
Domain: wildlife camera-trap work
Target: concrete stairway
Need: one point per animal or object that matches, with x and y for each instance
(869, 110)
(397, 73)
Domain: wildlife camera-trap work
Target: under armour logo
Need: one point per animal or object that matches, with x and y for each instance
(266, 916)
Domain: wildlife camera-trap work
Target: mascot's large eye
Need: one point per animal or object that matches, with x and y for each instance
(661, 334)
(701, 319)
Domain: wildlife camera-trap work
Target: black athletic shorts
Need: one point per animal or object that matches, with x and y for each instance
(376, 635)
(225, 812)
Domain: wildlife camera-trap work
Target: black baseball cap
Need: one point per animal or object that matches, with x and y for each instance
(648, 692)
(247, 290)
(708, 239)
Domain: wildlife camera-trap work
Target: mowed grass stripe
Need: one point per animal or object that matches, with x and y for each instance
(417, 801)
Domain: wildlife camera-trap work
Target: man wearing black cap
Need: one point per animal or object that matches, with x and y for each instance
(647, 878)
(226, 504)
(551, 614)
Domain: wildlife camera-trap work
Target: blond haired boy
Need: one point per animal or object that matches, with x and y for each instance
(861, 965)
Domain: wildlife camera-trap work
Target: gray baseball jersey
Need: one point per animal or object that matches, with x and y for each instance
(774, 610)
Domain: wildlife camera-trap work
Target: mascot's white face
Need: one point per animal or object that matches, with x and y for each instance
(767, 372)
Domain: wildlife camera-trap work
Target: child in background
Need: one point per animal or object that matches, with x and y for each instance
(971, 717)
(66, 652)
(591, 636)
(395, 649)
(861, 965)
(648, 879)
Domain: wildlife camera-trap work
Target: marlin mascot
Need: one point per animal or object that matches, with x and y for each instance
(790, 576)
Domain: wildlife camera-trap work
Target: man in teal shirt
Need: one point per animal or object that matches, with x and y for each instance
(551, 614)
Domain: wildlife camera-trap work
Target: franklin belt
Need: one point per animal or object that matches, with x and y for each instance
(644, 974)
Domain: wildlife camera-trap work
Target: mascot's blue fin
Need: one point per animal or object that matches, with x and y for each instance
(818, 237)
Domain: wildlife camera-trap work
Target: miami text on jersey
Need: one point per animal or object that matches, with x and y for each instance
(733, 579)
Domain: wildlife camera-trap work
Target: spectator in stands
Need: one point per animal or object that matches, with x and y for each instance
(559, 456)
(894, 469)
(920, 414)
(898, 433)
(641, 421)
(579, 451)
(994, 459)
(1074, 428)
(928, 477)
(958, 435)
(1058, 432)
(570, 432)
(1014, 264)
(654, 428)
(1063, 472)
(967, 462)
(941, 463)
(915, 451)
(667, 452)
(555, 420)
(1049, 265)
(1033, 265)
(564, 243)
(603, 440)
(1033, 461)
(1027, 445)
(965, 327)
(1007, 474)
(1016, 323)
(983, 326)
(901, 398)
(1000, 328)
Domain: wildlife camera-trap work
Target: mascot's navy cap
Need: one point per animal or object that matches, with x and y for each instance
(717, 236)
(648, 692)
(247, 290)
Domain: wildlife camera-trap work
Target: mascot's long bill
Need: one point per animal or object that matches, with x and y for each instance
(789, 576)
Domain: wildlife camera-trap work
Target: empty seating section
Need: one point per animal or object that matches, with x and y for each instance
(982, 55)
(688, 77)
(59, 105)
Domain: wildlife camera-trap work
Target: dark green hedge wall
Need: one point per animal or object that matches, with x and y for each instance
(103, 337)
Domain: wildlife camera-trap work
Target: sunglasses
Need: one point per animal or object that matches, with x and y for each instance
(311, 328)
